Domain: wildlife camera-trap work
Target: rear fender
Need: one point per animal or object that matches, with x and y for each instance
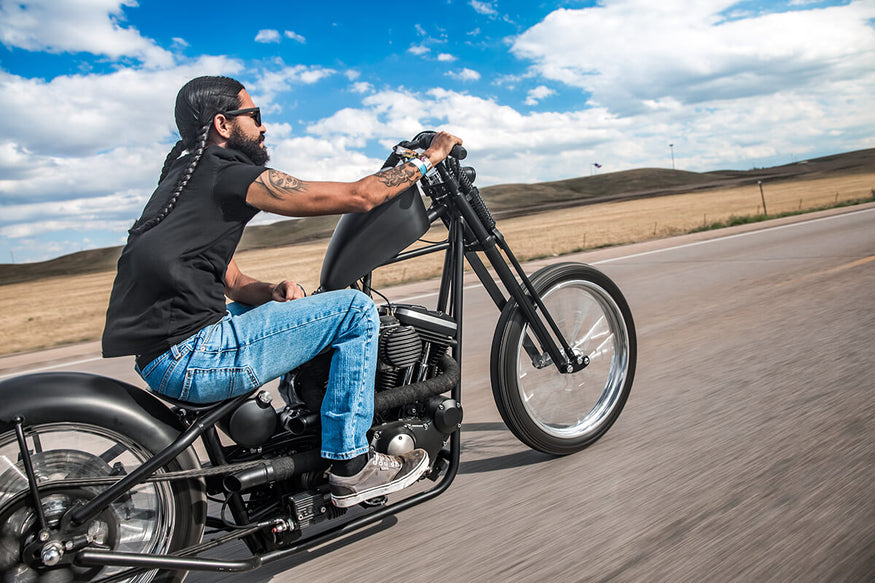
(86, 398)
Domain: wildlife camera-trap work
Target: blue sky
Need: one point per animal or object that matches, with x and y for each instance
(538, 90)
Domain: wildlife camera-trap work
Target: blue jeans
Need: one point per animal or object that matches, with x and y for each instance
(251, 346)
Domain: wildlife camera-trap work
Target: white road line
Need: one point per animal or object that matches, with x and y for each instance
(726, 237)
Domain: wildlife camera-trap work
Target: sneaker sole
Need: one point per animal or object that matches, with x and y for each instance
(353, 499)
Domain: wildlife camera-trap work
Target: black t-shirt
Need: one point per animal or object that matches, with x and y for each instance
(171, 279)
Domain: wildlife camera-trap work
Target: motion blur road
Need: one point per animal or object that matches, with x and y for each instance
(746, 451)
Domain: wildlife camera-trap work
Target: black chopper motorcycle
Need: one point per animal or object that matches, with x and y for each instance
(100, 480)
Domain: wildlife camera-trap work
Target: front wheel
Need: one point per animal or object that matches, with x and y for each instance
(153, 518)
(559, 413)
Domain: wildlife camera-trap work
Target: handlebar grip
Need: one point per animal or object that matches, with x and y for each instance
(423, 141)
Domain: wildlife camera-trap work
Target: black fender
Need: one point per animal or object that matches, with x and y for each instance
(86, 398)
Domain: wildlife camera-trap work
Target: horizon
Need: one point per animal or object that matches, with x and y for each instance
(540, 92)
(603, 174)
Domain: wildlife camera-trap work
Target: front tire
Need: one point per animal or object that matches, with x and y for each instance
(153, 517)
(559, 413)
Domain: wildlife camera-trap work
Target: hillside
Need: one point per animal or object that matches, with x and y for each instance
(517, 198)
(504, 200)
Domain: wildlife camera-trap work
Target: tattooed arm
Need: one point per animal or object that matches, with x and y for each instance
(282, 194)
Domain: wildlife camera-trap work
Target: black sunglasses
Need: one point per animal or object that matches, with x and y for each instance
(254, 110)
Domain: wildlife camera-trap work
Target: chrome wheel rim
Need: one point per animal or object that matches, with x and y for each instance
(141, 521)
(569, 406)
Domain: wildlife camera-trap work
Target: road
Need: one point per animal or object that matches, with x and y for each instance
(746, 451)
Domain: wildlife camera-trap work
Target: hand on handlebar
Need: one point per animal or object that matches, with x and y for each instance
(441, 146)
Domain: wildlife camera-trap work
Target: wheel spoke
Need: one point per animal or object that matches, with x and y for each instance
(562, 412)
(138, 522)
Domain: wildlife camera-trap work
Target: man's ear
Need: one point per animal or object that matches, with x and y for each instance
(222, 126)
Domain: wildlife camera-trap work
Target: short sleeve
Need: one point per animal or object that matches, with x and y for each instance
(233, 178)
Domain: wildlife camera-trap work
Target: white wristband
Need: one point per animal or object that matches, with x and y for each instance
(426, 161)
(419, 164)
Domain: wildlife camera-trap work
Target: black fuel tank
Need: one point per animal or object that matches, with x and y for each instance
(363, 241)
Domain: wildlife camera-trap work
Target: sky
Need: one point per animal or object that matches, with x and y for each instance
(538, 90)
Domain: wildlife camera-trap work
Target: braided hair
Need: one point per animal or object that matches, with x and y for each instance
(197, 104)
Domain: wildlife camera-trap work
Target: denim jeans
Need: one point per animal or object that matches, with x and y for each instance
(251, 346)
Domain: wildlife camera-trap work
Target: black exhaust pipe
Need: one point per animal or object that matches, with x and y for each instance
(272, 470)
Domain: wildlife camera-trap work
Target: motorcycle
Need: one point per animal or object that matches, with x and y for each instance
(100, 480)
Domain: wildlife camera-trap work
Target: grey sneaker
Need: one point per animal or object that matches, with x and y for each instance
(381, 475)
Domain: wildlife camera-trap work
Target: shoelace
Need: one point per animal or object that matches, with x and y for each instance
(385, 462)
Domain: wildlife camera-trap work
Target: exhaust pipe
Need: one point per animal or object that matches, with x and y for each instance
(272, 470)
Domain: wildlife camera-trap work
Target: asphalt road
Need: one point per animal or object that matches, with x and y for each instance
(746, 451)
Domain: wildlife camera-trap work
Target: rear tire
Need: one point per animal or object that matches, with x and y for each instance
(153, 518)
(559, 413)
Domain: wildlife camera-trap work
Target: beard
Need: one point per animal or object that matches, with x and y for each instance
(251, 148)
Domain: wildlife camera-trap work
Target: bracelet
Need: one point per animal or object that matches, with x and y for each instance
(426, 161)
(419, 164)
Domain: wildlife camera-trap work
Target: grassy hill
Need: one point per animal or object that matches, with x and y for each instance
(645, 182)
(505, 200)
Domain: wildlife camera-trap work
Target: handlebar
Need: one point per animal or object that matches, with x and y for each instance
(448, 170)
(423, 140)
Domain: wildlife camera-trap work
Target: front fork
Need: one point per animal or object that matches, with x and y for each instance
(492, 243)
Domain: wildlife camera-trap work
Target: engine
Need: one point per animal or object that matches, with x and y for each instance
(413, 372)
(411, 375)
(412, 342)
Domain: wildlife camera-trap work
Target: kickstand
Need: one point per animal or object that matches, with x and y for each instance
(31, 477)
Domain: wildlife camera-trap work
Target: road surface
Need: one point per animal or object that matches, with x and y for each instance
(746, 451)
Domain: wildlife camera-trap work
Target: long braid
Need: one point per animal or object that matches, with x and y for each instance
(172, 157)
(197, 104)
(196, 155)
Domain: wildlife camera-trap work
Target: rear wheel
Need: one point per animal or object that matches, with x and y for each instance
(560, 413)
(152, 518)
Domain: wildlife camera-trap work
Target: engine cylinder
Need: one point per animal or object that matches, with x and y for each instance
(401, 346)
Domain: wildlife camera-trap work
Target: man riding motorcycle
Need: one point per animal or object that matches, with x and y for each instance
(168, 305)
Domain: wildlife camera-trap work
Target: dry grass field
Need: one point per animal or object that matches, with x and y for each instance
(64, 310)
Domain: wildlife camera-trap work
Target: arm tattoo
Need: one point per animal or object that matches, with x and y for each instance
(279, 184)
(406, 174)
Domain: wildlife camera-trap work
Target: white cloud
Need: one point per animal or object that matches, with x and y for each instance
(269, 83)
(83, 114)
(538, 93)
(464, 74)
(626, 52)
(362, 87)
(311, 158)
(271, 35)
(446, 58)
(268, 35)
(91, 26)
(84, 151)
(483, 8)
(418, 50)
